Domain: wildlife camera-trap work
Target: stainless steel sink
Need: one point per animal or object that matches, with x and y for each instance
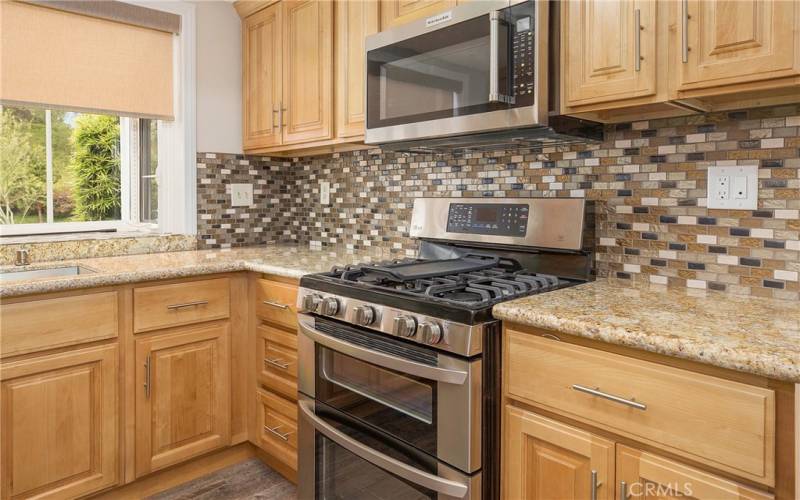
(52, 272)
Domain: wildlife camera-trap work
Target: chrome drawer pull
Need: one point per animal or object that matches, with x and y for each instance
(277, 362)
(623, 490)
(274, 430)
(188, 304)
(275, 304)
(594, 485)
(600, 394)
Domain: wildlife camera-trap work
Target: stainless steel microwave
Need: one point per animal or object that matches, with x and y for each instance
(480, 67)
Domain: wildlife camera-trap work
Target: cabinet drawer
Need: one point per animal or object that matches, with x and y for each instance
(276, 302)
(725, 424)
(277, 427)
(44, 324)
(278, 360)
(163, 306)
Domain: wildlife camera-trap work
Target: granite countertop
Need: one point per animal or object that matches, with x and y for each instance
(291, 261)
(747, 334)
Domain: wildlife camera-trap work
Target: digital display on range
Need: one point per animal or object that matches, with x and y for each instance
(497, 219)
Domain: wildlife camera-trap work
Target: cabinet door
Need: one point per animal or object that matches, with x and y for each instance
(737, 42)
(261, 81)
(183, 395)
(397, 12)
(545, 459)
(354, 21)
(308, 70)
(647, 476)
(59, 429)
(609, 50)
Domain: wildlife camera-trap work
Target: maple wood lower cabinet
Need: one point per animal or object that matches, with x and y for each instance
(546, 460)
(59, 429)
(183, 398)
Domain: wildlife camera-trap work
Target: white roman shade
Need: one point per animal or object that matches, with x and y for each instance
(104, 57)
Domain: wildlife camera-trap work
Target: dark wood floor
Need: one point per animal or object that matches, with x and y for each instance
(247, 480)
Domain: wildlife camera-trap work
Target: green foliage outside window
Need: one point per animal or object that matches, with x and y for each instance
(96, 167)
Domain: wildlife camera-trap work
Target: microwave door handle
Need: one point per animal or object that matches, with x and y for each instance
(445, 375)
(385, 462)
(494, 63)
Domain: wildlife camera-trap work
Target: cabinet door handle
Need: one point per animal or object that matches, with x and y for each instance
(277, 362)
(274, 112)
(623, 490)
(147, 377)
(600, 394)
(280, 116)
(594, 485)
(275, 304)
(685, 30)
(637, 14)
(274, 430)
(187, 304)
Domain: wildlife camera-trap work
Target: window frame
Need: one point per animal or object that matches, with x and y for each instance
(177, 153)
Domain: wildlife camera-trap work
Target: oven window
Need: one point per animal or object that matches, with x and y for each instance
(399, 404)
(344, 475)
(440, 74)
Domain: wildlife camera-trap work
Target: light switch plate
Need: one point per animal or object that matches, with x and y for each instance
(241, 195)
(325, 192)
(734, 187)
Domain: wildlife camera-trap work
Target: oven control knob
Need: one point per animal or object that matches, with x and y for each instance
(364, 315)
(431, 332)
(311, 302)
(330, 306)
(405, 326)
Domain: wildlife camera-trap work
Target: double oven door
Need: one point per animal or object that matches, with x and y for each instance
(381, 418)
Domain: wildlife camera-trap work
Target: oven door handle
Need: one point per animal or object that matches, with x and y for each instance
(385, 462)
(445, 375)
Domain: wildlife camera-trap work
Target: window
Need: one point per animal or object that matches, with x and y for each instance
(63, 171)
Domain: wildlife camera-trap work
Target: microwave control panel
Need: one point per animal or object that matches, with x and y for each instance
(498, 219)
(522, 48)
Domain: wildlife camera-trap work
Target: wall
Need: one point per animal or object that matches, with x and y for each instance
(648, 176)
(219, 78)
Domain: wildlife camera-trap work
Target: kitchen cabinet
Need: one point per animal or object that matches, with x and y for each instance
(644, 475)
(307, 71)
(276, 431)
(262, 53)
(609, 50)
(176, 304)
(183, 395)
(60, 424)
(397, 12)
(733, 44)
(354, 21)
(545, 459)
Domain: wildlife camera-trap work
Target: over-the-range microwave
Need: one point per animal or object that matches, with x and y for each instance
(476, 70)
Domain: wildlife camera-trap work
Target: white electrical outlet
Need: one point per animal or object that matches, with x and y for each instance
(325, 192)
(734, 187)
(241, 195)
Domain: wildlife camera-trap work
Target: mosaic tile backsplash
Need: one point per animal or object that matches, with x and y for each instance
(649, 178)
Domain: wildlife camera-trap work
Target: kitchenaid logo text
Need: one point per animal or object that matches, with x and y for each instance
(439, 19)
(650, 490)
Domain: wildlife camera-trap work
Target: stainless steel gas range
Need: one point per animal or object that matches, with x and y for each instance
(400, 361)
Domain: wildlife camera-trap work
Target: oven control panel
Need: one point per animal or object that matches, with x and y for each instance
(496, 219)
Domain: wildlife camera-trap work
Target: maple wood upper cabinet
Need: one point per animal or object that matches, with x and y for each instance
(262, 52)
(725, 47)
(609, 50)
(397, 12)
(307, 70)
(353, 22)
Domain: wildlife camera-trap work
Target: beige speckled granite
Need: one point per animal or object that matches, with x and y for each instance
(84, 245)
(290, 261)
(759, 336)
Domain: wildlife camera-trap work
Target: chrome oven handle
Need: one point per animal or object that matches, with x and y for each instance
(381, 359)
(494, 64)
(385, 462)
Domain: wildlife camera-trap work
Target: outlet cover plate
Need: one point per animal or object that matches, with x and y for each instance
(741, 188)
(241, 195)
